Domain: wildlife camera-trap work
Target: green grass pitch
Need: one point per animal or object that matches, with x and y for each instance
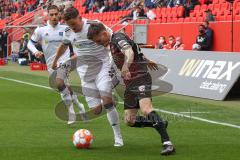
(29, 129)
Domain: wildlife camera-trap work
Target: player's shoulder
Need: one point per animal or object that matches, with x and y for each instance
(119, 36)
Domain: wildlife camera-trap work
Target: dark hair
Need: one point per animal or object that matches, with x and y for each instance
(70, 13)
(52, 7)
(201, 25)
(171, 36)
(95, 29)
(162, 37)
(206, 21)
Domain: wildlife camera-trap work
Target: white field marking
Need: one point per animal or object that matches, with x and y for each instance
(198, 118)
(159, 110)
(28, 83)
(193, 112)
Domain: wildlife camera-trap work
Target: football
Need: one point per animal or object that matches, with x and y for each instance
(82, 138)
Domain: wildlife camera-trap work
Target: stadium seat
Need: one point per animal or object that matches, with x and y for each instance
(210, 6)
(169, 12)
(216, 7)
(181, 20)
(164, 20)
(187, 19)
(163, 12)
(174, 20)
(224, 6)
(203, 8)
(215, 1)
(193, 19)
(200, 19)
(237, 17)
(180, 11)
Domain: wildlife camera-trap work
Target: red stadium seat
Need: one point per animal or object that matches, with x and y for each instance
(222, 1)
(164, 20)
(180, 11)
(216, 7)
(169, 20)
(197, 8)
(193, 19)
(168, 12)
(174, 20)
(237, 17)
(225, 6)
(163, 12)
(200, 19)
(204, 7)
(210, 6)
(215, 1)
(192, 14)
(187, 19)
(181, 20)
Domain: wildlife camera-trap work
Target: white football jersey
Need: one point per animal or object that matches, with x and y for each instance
(50, 38)
(82, 45)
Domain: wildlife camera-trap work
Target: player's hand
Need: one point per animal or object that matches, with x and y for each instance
(152, 65)
(54, 66)
(125, 73)
(39, 54)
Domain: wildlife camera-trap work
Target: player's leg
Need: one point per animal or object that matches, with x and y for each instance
(67, 99)
(152, 119)
(104, 85)
(76, 101)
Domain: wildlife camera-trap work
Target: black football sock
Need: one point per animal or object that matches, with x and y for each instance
(142, 122)
(159, 125)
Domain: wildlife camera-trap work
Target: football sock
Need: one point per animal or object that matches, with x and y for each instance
(159, 125)
(67, 99)
(153, 120)
(78, 104)
(113, 119)
(142, 122)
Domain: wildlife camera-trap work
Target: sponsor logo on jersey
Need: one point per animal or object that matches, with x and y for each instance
(60, 33)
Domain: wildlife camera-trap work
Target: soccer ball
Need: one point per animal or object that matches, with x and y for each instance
(82, 138)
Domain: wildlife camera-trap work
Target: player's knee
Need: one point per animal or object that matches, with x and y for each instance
(97, 110)
(107, 100)
(60, 84)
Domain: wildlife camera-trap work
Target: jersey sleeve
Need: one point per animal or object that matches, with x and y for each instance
(36, 36)
(121, 42)
(66, 36)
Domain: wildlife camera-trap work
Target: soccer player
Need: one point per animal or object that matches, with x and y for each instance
(50, 37)
(134, 70)
(94, 72)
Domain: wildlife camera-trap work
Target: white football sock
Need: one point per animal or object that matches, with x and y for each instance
(78, 104)
(67, 99)
(113, 119)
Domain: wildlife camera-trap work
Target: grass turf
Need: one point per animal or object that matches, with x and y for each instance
(30, 129)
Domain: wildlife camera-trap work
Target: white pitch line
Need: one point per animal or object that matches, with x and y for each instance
(28, 83)
(193, 112)
(198, 118)
(159, 110)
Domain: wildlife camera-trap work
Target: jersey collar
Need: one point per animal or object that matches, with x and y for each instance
(48, 23)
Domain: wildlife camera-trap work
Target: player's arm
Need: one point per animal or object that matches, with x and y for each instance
(36, 37)
(60, 51)
(128, 60)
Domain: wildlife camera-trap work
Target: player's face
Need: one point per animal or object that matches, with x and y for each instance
(75, 24)
(103, 38)
(53, 16)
